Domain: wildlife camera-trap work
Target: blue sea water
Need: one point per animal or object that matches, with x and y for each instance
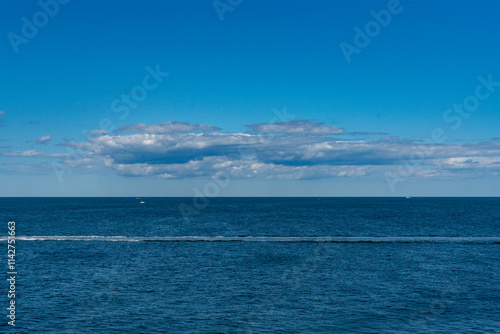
(254, 265)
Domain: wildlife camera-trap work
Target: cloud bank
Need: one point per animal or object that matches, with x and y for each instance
(299, 149)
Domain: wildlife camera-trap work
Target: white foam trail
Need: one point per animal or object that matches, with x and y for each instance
(323, 239)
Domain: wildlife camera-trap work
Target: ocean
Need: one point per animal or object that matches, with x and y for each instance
(253, 265)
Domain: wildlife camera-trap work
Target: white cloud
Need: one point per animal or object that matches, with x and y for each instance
(33, 153)
(166, 128)
(213, 166)
(99, 132)
(295, 127)
(471, 162)
(43, 139)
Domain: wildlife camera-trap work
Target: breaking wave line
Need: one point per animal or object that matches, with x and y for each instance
(282, 239)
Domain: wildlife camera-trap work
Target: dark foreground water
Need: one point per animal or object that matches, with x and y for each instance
(254, 265)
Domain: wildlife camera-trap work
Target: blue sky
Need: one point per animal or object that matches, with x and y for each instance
(263, 102)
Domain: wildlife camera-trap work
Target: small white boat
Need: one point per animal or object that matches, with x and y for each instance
(142, 202)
